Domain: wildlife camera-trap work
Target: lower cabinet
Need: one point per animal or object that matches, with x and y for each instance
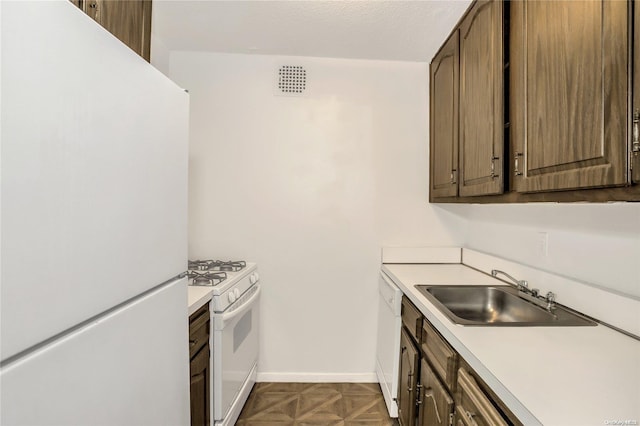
(461, 419)
(409, 357)
(200, 388)
(200, 367)
(436, 386)
(435, 405)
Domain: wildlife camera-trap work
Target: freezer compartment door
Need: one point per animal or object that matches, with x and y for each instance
(130, 367)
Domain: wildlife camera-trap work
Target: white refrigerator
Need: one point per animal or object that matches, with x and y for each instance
(93, 211)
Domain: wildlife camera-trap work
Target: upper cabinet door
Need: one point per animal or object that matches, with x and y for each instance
(444, 86)
(481, 105)
(128, 20)
(569, 94)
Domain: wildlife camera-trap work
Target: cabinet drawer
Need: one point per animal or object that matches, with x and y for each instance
(473, 406)
(411, 318)
(198, 330)
(440, 355)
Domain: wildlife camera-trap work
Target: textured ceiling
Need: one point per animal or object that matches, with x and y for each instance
(387, 30)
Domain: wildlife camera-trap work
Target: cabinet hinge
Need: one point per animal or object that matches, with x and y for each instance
(450, 419)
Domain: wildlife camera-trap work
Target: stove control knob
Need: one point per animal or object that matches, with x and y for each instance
(253, 278)
(237, 293)
(232, 297)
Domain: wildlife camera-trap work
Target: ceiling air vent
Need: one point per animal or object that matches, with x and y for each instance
(291, 80)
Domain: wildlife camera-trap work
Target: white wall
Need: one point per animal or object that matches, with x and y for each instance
(595, 243)
(310, 188)
(159, 53)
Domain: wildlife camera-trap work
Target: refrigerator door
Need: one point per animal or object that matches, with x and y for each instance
(93, 172)
(130, 367)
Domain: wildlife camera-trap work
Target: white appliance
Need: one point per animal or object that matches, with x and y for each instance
(94, 320)
(389, 328)
(235, 311)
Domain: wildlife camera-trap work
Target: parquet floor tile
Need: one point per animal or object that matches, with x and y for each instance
(315, 404)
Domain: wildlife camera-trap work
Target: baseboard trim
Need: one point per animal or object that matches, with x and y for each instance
(318, 377)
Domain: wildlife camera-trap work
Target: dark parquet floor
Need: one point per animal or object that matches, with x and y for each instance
(315, 404)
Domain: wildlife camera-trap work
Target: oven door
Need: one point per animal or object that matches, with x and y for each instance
(235, 350)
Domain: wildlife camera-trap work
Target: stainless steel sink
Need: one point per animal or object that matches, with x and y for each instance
(496, 306)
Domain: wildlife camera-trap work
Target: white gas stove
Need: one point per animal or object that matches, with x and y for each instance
(234, 289)
(226, 281)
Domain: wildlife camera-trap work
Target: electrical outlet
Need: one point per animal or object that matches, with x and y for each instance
(543, 244)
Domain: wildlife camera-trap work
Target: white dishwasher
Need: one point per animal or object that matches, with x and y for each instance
(388, 348)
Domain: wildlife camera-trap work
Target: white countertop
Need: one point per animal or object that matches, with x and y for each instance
(197, 296)
(545, 375)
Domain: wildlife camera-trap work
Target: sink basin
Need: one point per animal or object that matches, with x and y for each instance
(496, 306)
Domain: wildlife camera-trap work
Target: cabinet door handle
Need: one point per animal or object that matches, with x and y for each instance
(409, 376)
(192, 342)
(516, 167)
(428, 393)
(493, 166)
(453, 176)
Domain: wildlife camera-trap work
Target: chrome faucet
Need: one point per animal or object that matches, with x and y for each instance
(521, 285)
(548, 302)
(550, 298)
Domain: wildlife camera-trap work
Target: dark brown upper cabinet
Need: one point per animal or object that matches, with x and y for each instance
(548, 96)
(569, 94)
(481, 112)
(128, 20)
(444, 84)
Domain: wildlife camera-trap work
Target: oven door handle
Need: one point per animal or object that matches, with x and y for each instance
(245, 306)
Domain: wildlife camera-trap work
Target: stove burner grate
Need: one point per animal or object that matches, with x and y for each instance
(206, 278)
(230, 266)
(216, 265)
(199, 265)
